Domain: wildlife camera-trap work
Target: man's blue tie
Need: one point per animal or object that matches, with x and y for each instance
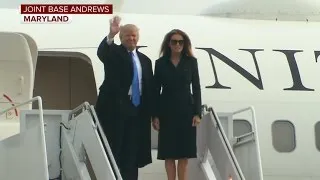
(135, 83)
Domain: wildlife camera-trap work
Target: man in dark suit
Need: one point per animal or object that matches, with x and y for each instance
(125, 99)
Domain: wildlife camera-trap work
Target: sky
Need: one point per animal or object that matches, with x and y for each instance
(134, 6)
(190, 7)
(168, 6)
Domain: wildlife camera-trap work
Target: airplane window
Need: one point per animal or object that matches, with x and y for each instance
(317, 135)
(241, 126)
(283, 136)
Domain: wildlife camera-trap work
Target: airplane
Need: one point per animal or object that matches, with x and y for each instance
(247, 56)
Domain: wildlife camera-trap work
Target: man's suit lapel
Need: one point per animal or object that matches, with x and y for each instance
(126, 57)
(144, 72)
(143, 64)
(125, 54)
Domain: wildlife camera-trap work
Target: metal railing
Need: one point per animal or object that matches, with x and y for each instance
(254, 133)
(87, 107)
(104, 138)
(225, 139)
(42, 125)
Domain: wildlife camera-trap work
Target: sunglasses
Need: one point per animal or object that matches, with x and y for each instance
(174, 42)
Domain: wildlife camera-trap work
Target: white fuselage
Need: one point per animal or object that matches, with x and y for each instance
(276, 46)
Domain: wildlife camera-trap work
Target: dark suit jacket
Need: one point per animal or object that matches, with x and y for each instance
(113, 103)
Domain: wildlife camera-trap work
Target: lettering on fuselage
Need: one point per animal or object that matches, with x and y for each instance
(257, 81)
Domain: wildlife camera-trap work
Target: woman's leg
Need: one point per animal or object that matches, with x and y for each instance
(182, 169)
(171, 169)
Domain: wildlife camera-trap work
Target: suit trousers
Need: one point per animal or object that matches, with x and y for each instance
(125, 149)
(127, 157)
(123, 131)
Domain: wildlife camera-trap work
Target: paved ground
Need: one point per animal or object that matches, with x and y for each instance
(154, 171)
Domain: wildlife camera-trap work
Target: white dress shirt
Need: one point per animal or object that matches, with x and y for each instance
(137, 61)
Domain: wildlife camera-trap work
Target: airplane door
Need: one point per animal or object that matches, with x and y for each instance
(64, 82)
(16, 77)
(16, 68)
(33, 50)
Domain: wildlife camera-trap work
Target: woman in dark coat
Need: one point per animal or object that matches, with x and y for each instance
(178, 111)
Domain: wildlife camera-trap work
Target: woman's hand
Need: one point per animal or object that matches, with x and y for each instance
(196, 120)
(156, 124)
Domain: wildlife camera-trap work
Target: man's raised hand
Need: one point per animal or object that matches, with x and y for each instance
(114, 26)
